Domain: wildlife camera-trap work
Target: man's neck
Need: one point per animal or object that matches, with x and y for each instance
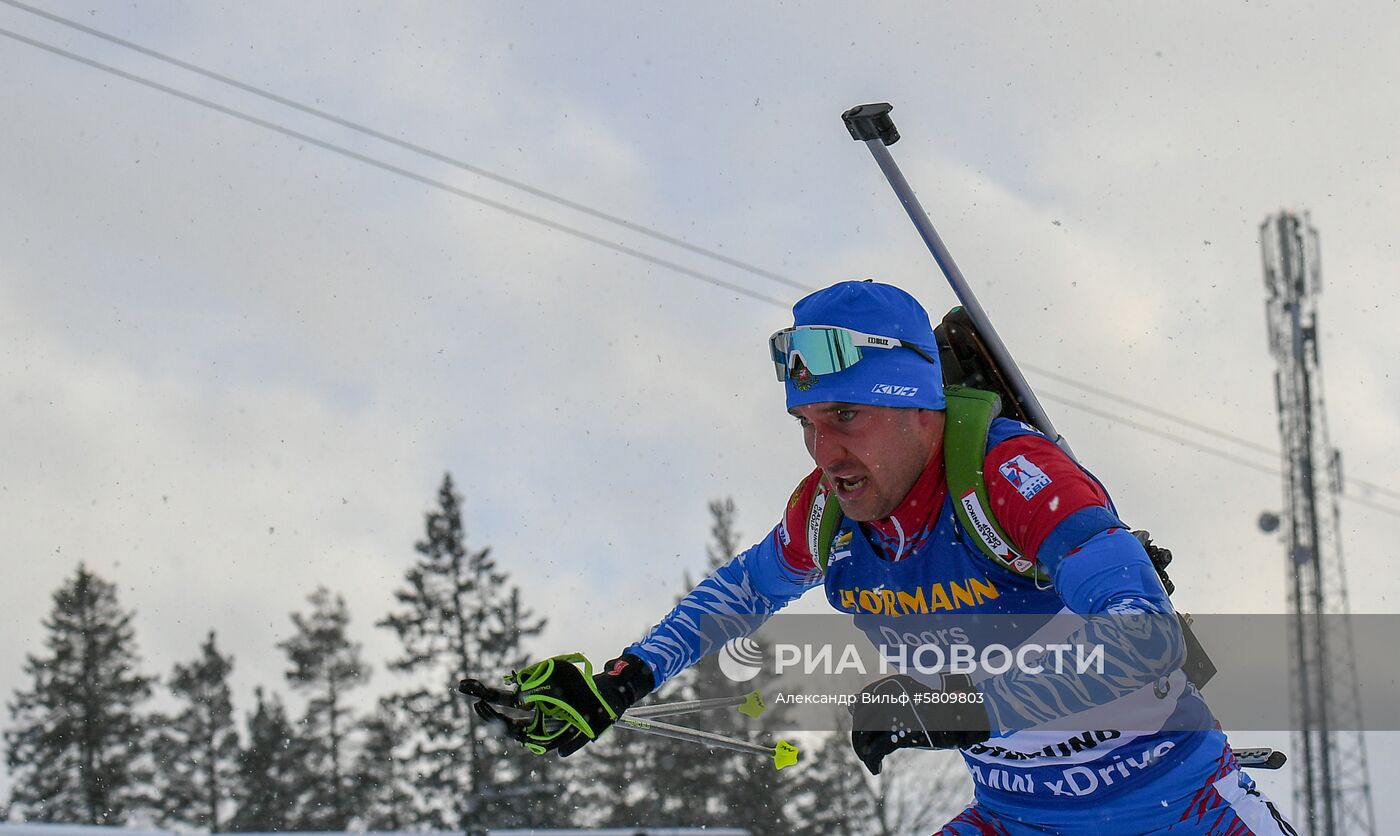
(912, 522)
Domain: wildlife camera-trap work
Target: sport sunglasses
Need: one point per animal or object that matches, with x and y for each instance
(827, 349)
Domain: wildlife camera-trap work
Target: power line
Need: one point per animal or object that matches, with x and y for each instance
(1150, 430)
(1161, 413)
(1104, 393)
(1372, 487)
(1220, 454)
(402, 172)
(616, 247)
(1369, 504)
(550, 196)
(411, 146)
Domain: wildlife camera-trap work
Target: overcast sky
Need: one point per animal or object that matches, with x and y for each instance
(237, 364)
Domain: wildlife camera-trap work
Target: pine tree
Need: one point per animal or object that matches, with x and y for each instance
(77, 749)
(832, 795)
(653, 781)
(632, 780)
(325, 664)
(458, 616)
(915, 792)
(744, 790)
(919, 790)
(526, 787)
(381, 772)
(197, 749)
(724, 543)
(268, 770)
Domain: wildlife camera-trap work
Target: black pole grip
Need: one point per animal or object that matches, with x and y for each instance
(871, 121)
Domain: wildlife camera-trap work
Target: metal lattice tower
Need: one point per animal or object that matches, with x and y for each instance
(1331, 789)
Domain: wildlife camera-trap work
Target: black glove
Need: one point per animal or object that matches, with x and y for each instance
(899, 712)
(553, 705)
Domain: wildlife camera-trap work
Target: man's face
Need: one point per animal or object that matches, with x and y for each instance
(871, 455)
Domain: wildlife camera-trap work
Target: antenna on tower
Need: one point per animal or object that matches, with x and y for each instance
(1331, 781)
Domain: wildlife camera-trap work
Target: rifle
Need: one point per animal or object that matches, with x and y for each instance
(973, 354)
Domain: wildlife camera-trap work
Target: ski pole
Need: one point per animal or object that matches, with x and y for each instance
(750, 705)
(783, 754)
(871, 124)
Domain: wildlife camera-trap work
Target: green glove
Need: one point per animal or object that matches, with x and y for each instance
(554, 705)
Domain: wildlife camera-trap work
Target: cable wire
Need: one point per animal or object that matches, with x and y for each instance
(616, 247)
(411, 146)
(1150, 430)
(562, 201)
(1161, 413)
(402, 172)
(1220, 454)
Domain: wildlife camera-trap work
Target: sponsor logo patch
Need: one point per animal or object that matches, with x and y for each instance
(898, 391)
(840, 547)
(983, 524)
(814, 522)
(1024, 476)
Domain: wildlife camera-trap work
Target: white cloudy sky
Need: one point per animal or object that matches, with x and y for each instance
(236, 364)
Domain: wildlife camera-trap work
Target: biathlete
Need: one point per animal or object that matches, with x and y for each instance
(1128, 748)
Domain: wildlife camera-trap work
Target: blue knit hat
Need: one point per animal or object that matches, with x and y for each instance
(897, 377)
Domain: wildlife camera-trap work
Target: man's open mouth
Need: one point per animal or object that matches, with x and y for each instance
(846, 485)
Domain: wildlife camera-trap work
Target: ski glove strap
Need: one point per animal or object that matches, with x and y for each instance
(560, 704)
(899, 712)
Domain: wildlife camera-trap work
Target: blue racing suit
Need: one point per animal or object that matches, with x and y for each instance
(1173, 772)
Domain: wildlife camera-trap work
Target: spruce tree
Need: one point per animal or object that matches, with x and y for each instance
(632, 780)
(458, 616)
(525, 787)
(269, 767)
(76, 750)
(384, 784)
(918, 790)
(746, 790)
(197, 749)
(832, 795)
(325, 664)
(655, 781)
(915, 792)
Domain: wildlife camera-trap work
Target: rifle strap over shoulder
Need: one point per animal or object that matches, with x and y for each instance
(969, 419)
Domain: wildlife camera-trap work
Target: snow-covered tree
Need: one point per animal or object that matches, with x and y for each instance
(458, 615)
(917, 791)
(383, 781)
(831, 794)
(269, 770)
(744, 790)
(325, 665)
(196, 749)
(637, 780)
(77, 748)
